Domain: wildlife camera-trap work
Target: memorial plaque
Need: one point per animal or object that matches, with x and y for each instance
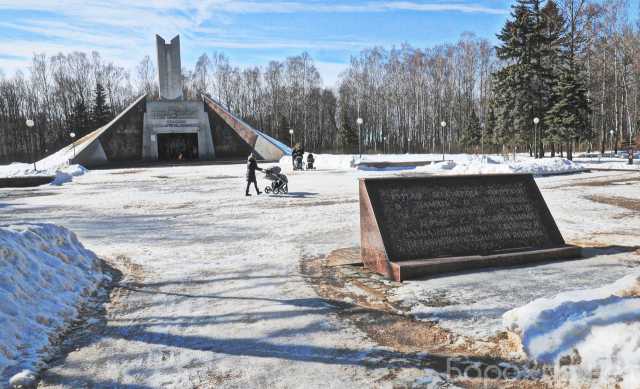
(421, 225)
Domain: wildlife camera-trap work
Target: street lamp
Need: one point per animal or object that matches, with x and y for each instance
(291, 135)
(611, 142)
(30, 124)
(443, 124)
(359, 121)
(408, 145)
(73, 135)
(482, 138)
(536, 120)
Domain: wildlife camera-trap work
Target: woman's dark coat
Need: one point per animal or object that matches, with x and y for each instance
(252, 166)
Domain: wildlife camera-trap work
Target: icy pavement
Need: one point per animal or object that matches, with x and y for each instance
(218, 298)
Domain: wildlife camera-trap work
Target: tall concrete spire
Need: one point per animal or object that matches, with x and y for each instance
(169, 68)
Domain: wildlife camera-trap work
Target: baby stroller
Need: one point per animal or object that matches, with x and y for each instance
(279, 182)
(310, 161)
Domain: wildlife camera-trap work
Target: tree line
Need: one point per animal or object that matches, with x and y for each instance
(61, 94)
(572, 64)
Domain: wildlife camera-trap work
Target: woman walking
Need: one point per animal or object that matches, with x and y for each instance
(252, 166)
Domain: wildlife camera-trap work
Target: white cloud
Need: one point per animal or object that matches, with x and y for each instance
(123, 30)
(358, 7)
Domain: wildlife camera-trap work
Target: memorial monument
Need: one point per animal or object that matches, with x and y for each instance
(171, 128)
(425, 225)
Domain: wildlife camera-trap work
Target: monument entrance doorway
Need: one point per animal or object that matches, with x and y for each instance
(177, 146)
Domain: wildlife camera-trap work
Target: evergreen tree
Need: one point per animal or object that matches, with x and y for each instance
(472, 132)
(80, 120)
(490, 127)
(348, 136)
(553, 30)
(101, 113)
(567, 119)
(523, 89)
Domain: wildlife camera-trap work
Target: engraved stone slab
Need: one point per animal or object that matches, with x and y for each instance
(440, 219)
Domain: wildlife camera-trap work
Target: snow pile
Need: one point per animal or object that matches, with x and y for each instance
(63, 173)
(56, 164)
(45, 274)
(324, 161)
(67, 173)
(474, 164)
(453, 163)
(597, 329)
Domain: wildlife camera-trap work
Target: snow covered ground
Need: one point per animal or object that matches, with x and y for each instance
(45, 274)
(62, 173)
(607, 163)
(218, 295)
(56, 165)
(452, 164)
(600, 327)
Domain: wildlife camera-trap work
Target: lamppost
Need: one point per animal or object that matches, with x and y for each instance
(536, 120)
(384, 145)
(73, 135)
(408, 145)
(30, 124)
(291, 135)
(482, 138)
(359, 121)
(443, 124)
(611, 142)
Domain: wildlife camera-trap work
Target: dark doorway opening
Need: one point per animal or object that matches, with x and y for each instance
(178, 147)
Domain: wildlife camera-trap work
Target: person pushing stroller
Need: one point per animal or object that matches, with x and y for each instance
(297, 154)
(252, 166)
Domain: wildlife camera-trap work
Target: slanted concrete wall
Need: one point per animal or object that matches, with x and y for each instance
(123, 141)
(228, 143)
(266, 148)
(92, 156)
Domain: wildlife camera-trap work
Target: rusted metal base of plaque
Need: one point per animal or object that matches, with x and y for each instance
(404, 270)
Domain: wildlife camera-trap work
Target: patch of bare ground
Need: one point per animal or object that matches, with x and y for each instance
(361, 299)
(621, 179)
(222, 177)
(126, 172)
(129, 273)
(319, 203)
(19, 194)
(211, 378)
(164, 207)
(93, 316)
(622, 202)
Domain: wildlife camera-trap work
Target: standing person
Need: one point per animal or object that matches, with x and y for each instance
(252, 166)
(294, 154)
(297, 155)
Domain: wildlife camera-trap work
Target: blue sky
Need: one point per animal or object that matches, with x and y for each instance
(249, 32)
